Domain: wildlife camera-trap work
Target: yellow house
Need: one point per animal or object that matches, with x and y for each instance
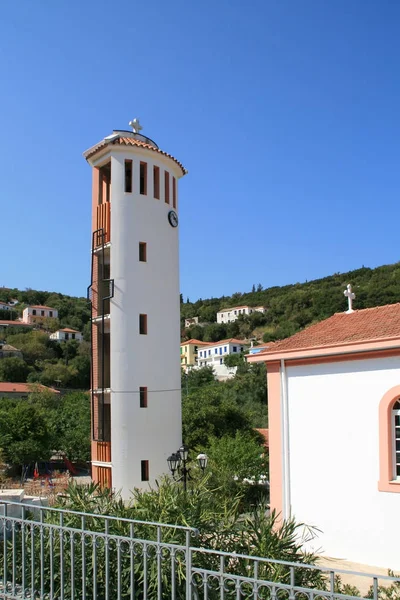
(189, 351)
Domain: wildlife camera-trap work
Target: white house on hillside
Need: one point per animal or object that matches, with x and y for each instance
(37, 314)
(63, 335)
(229, 315)
(334, 432)
(213, 356)
(4, 306)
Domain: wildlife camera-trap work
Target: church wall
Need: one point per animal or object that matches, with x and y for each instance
(334, 458)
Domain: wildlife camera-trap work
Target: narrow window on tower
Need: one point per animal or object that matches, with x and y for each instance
(145, 470)
(143, 397)
(143, 324)
(128, 176)
(142, 251)
(156, 181)
(174, 192)
(143, 178)
(166, 183)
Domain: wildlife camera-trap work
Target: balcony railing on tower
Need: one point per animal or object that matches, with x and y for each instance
(103, 224)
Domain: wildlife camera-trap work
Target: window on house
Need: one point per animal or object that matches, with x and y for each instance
(201, 354)
(128, 176)
(225, 348)
(209, 353)
(143, 178)
(34, 312)
(195, 349)
(143, 324)
(142, 251)
(174, 192)
(42, 313)
(234, 349)
(241, 348)
(215, 350)
(396, 440)
(73, 336)
(221, 360)
(66, 336)
(143, 397)
(145, 470)
(156, 182)
(220, 350)
(166, 185)
(235, 312)
(51, 313)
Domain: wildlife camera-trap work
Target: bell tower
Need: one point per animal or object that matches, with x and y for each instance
(134, 291)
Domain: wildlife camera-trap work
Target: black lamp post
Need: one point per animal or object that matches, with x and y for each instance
(178, 461)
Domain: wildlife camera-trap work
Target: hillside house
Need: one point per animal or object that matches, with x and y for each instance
(5, 306)
(191, 321)
(213, 354)
(22, 390)
(5, 324)
(189, 353)
(334, 432)
(37, 314)
(8, 351)
(229, 315)
(63, 335)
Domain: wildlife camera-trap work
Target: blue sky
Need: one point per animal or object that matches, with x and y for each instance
(286, 114)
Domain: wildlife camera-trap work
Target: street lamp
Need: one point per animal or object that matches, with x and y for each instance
(177, 463)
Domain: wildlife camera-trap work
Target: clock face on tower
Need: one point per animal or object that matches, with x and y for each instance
(173, 218)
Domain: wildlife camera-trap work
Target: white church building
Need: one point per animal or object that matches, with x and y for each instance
(334, 432)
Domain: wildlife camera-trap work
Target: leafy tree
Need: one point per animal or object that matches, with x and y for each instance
(74, 417)
(35, 346)
(197, 378)
(238, 464)
(214, 332)
(195, 332)
(55, 374)
(207, 413)
(13, 369)
(24, 434)
(237, 360)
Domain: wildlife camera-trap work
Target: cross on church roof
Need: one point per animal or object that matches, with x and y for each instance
(136, 126)
(350, 297)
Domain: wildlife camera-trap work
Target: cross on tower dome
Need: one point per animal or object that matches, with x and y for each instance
(136, 126)
(350, 297)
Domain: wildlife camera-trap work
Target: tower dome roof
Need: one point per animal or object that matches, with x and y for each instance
(129, 138)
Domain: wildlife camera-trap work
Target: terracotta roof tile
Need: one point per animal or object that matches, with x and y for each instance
(193, 341)
(40, 306)
(68, 330)
(367, 325)
(26, 388)
(129, 141)
(265, 435)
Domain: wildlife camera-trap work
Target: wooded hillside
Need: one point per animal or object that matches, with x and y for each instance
(293, 307)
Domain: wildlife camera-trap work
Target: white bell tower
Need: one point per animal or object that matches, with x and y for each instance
(135, 387)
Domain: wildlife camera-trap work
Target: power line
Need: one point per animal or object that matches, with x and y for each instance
(148, 391)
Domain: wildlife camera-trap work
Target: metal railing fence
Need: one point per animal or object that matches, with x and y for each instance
(55, 554)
